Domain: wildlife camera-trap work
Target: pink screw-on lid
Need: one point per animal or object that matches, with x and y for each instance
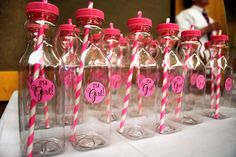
(122, 39)
(167, 27)
(139, 21)
(89, 12)
(111, 30)
(222, 37)
(187, 33)
(43, 6)
(67, 27)
(207, 44)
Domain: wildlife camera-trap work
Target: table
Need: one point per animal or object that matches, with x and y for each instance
(212, 138)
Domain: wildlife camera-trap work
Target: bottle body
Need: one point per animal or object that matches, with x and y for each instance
(67, 46)
(169, 101)
(95, 99)
(223, 80)
(40, 96)
(195, 81)
(140, 120)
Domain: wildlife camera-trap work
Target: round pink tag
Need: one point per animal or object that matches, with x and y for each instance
(42, 90)
(177, 84)
(95, 92)
(193, 79)
(139, 79)
(200, 82)
(228, 84)
(116, 81)
(147, 87)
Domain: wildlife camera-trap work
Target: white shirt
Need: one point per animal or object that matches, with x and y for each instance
(193, 16)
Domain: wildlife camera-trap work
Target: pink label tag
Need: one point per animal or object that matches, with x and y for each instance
(147, 87)
(116, 81)
(95, 92)
(42, 90)
(177, 84)
(200, 82)
(228, 84)
(193, 79)
(139, 79)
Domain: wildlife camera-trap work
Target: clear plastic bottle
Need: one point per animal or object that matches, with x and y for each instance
(110, 43)
(67, 46)
(142, 93)
(40, 86)
(195, 77)
(169, 101)
(93, 133)
(223, 77)
(209, 59)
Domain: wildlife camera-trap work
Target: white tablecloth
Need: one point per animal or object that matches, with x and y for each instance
(212, 138)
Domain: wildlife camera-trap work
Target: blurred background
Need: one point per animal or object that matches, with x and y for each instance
(12, 32)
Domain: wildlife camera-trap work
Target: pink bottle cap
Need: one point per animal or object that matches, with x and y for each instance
(187, 33)
(222, 37)
(111, 30)
(139, 21)
(67, 27)
(167, 27)
(43, 6)
(207, 44)
(122, 39)
(89, 12)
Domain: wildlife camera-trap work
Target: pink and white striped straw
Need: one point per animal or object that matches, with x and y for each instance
(218, 81)
(32, 114)
(128, 86)
(212, 84)
(164, 86)
(80, 74)
(164, 89)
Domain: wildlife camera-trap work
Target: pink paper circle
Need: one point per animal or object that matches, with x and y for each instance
(139, 79)
(147, 87)
(200, 82)
(228, 84)
(193, 79)
(42, 90)
(95, 92)
(116, 81)
(177, 84)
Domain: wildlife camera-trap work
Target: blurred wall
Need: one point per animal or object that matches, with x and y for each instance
(12, 18)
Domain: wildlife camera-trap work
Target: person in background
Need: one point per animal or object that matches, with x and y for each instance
(196, 15)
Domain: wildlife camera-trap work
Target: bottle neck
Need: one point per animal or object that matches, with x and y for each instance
(220, 48)
(190, 45)
(168, 39)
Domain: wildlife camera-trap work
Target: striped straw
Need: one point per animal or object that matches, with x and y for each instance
(164, 89)
(212, 84)
(109, 98)
(80, 73)
(32, 113)
(128, 86)
(218, 80)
